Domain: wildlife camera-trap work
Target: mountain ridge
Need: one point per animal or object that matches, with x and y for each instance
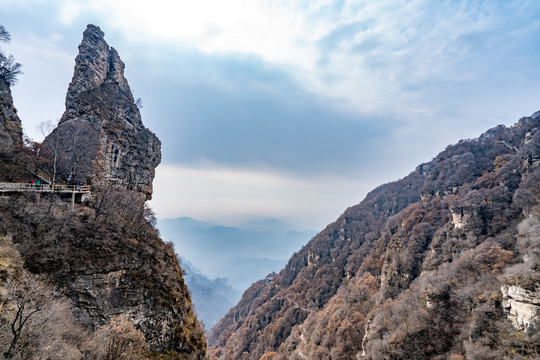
(415, 270)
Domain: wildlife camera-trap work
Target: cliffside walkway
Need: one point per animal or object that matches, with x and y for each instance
(79, 193)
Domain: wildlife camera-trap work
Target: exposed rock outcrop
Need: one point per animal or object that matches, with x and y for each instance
(10, 124)
(101, 137)
(523, 307)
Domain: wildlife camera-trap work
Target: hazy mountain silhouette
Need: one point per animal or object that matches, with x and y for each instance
(244, 254)
(212, 298)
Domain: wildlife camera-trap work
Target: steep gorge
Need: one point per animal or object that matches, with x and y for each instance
(443, 264)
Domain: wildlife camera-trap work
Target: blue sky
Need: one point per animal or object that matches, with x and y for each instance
(290, 108)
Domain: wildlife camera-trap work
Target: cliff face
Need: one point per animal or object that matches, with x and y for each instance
(104, 256)
(12, 151)
(443, 264)
(101, 138)
(10, 124)
(108, 260)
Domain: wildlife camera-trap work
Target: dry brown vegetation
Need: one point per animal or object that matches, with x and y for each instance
(36, 321)
(414, 271)
(112, 234)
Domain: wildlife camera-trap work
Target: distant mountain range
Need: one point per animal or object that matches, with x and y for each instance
(271, 225)
(212, 298)
(229, 259)
(244, 253)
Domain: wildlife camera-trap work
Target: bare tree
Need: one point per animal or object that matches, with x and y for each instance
(36, 322)
(5, 36)
(25, 297)
(78, 146)
(9, 68)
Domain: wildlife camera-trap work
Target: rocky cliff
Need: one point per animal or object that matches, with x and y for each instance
(107, 259)
(442, 264)
(12, 151)
(10, 124)
(101, 137)
(101, 259)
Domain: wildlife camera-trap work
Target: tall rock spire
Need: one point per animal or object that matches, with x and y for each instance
(96, 65)
(101, 137)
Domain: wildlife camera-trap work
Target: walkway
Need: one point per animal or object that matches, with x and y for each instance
(79, 193)
(21, 187)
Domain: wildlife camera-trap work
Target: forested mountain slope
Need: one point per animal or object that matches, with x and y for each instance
(442, 264)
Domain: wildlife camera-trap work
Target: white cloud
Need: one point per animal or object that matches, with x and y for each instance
(211, 191)
(390, 57)
(212, 26)
(69, 10)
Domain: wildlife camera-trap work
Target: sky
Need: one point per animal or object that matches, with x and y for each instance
(289, 109)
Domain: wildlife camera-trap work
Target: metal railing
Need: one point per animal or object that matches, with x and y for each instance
(16, 187)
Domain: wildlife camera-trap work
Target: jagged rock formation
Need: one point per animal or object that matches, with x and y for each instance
(101, 137)
(443, 264)
(105, 256)
(10, 124)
